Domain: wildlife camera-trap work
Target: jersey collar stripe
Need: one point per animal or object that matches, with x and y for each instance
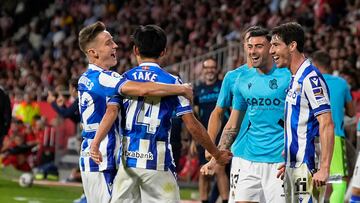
(149, 64)
(94, 67)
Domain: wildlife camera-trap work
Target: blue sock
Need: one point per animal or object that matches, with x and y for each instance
(354, 199)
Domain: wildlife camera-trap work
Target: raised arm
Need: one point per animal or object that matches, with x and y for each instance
(326, 130)
(200, 135)
(133, 88)
(109, 118)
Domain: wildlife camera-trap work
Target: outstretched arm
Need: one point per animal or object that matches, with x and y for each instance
(200, 135)
(231, 129)
(215, 122)
(144, 89)
(104, 127)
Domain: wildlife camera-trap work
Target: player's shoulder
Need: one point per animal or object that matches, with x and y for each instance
(233, 74)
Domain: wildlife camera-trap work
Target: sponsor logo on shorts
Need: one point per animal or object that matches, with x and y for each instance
(139, 155)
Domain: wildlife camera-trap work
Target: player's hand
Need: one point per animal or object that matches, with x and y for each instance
(188, 91)
(281, 172)
(95, 154)
(209, 168)
(319, 178)
(223, 157)
(208, 156)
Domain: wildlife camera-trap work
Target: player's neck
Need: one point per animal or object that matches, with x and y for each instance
(210, 82)
(98, 64)
(148, 60)
(296, 60)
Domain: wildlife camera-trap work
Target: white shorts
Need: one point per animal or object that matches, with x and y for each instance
(255, 182)
(144, 185)
(97, 185)
(356, 176)
(299, 188)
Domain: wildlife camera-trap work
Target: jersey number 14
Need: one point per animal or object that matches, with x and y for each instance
(144, 111)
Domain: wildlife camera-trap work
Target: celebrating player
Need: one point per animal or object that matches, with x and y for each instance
(307, 115)
(96, 86)
(257, 151)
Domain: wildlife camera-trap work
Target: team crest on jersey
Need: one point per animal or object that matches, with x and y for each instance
(273, 84)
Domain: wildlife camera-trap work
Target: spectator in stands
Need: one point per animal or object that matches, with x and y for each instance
(57, 102)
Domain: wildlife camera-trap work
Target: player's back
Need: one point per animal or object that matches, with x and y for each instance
(97, 88)
(148, 121)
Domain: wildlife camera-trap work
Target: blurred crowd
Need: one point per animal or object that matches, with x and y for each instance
(41, 58)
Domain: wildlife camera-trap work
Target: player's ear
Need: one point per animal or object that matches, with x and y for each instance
(163, 53)
(292, 46)
(93, 53)
(136, 51)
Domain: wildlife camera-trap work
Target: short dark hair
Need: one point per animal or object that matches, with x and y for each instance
(88, 34)
(322, 58)
(260, 32)
(150, 40)
(250, 29)
(290, 32)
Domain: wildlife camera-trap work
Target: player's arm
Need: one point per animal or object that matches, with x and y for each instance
(231, 129)
(350, 109)
(215, 122)
(326, 131)
(107, 121)
(133, 88)
(200, 135)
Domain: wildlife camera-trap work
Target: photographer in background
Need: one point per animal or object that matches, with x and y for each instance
(5, 114)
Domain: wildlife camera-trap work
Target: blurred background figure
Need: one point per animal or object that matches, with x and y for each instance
(5, 114)
(205, 98)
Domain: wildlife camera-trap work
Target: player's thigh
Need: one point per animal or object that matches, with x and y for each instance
(158, 186)
(126, 186)
(97, 186)
(299, 187)
(246, 181)
(272, 186)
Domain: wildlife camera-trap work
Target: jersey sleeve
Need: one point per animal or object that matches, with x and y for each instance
(111, 82)
(183, 105)
(239, 102)
(114, 100)
(316, 92)
(225, 96)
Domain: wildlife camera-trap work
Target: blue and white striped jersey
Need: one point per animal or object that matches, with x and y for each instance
(97, 88)
(148, 121)
(307, 97)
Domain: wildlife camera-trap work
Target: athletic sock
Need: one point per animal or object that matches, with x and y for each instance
(338, 193)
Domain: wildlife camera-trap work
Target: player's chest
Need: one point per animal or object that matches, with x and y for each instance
(208, 94)
(265, 87)
(294, 93)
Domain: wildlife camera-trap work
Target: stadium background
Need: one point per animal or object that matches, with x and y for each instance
(39, 50)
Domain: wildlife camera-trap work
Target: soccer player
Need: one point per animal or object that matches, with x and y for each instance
(205, 97)
(307, 115)
(96, 87)
(341, 103)
(257, 151)
(146, 166)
